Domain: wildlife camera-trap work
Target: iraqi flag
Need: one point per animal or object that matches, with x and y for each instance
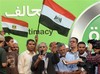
(55, 17)
(14, 26)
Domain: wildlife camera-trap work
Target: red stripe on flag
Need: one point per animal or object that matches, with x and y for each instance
(14, 21)
(58, 9)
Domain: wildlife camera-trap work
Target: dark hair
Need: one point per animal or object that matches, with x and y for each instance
(92, 41)
(6, 48)
(95, 43)
(81, 43)
(58, 43)
(7, 39)
(75, 39)
(29, 41)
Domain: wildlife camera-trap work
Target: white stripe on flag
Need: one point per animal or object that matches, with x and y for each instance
(47, 11)
(18, 27)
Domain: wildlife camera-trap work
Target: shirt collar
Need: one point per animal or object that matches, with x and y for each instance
(74, 52)
(30, 52)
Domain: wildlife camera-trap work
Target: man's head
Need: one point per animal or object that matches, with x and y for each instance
(92, 43)
(96, 46)
(53, 45)
(42, 47)
(61, 49)
(30, 44)
(73, 42)
(9, 41)
(15, 46)
(81, 47)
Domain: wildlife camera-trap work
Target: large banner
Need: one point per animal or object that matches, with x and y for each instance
(85, 25)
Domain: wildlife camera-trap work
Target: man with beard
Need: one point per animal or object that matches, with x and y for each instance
(43, 62)
(82, 54)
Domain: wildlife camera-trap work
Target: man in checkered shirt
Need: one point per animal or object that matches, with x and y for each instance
(94, 59)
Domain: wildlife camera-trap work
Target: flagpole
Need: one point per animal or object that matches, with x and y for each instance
(38, 28)
(40, 17)
(36, 37)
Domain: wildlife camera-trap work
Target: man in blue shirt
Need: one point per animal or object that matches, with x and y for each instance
(68, 63)
(61, 67)
(72, 57)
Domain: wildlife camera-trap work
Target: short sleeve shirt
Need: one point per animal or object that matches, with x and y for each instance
(70, 56)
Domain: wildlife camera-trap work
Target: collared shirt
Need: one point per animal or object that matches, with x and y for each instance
(61, 67)
(45, 59)
(24, 62)
(70, 56)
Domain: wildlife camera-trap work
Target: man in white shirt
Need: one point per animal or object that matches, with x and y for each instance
(25, 58)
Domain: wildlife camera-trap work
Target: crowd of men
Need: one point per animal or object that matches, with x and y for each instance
(74, 59)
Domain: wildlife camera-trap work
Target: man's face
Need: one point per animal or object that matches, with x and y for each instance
(73, 43)
(15, 47)
(31, 46)
(10, 43)
(53, 46)
(43, 47)
(81, 48)
(62, 50)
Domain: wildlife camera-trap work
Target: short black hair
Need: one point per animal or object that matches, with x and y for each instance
(92, 41)
(29, 41)
(75, 39)
(8, 38)
(81, 43)
(96, 45)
